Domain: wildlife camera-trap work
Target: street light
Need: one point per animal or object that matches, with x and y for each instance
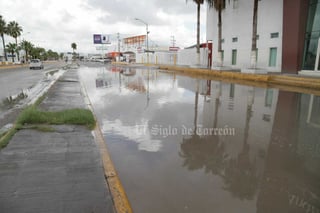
(137, 19)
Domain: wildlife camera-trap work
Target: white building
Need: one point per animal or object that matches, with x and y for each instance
(288, 34)
(237, 34)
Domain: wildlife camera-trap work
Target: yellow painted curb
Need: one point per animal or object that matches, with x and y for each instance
(120, 199)
(13, 66)
(119, 196)
(310, 85)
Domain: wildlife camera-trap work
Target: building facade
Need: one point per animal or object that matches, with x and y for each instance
(287, 34)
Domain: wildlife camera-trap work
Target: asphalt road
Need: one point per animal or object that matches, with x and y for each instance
(15, 80)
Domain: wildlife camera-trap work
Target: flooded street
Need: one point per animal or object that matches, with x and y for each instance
(181, 144)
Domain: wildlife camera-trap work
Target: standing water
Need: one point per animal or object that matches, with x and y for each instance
(181, 144)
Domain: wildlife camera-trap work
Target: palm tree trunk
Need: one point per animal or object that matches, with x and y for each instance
(17, 49)
(198, 34)
(4, 48)
(220, 37)
(253, 61)
(12, 56)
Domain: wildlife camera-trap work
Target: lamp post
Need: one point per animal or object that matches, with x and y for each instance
(137, 19)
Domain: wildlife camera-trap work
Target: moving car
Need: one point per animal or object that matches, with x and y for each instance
(36, 64)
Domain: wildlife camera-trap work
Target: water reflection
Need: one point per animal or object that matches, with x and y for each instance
(271, 164)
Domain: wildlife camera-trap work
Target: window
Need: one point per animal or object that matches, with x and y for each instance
(257, 37)
(273, 57)
(274, 35)
(235, 39)
(234, 57)
(222, 40)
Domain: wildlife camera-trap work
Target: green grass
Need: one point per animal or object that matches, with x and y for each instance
(33, 118)
(32, 115)
(4, 140)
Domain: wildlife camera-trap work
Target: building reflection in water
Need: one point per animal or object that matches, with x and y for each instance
(290, 181)
(274, 157)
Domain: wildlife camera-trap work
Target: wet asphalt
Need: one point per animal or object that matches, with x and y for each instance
(58, 171)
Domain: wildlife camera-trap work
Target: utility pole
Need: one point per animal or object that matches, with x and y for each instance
(146, 36)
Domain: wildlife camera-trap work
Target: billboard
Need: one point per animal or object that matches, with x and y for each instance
(135, 40)
(101, 39)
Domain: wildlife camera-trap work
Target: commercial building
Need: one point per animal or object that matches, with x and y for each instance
(288, 35)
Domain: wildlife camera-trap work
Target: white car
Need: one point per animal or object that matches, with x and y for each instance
(36, 64)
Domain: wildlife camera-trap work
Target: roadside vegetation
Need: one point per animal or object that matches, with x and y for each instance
(14, 30)
(33, 118)
(32, 115)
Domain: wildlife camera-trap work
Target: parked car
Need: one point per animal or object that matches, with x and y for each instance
(36, 64)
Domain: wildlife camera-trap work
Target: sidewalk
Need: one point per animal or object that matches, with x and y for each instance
(58, 171)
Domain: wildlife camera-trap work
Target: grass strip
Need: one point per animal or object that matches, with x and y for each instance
(40, 119)
(4, 140)
(32, 115)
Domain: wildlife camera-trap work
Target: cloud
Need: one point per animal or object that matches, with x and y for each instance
(55, 24)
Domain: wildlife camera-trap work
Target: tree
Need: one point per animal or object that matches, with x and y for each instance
(37, 52)
(198, 2)
(27, 47)
(253, 61)
(15, 31)
(219, 6)
(3, 30)
(12, 48)
(74, 47)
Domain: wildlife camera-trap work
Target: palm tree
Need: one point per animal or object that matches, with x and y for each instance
(15, 31)
(27, 47)
(3, 30)
(218, 5)
(253, 61)
(37, 52)
(198, 2)
(74, 47)
(12, 48)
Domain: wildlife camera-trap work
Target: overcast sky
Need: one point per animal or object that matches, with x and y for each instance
(55, 24)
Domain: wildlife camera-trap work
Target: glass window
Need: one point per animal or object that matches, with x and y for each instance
(312, 35)
(235, 39)
(274, 35)
(314, 17)
(273, 57)
(234, 57)
(310, 53)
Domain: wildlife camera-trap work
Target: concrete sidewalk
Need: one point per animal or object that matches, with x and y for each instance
(58, 171)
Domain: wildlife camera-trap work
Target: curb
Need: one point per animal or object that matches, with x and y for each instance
(310, 85)
(13, 66)
(120, 199)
